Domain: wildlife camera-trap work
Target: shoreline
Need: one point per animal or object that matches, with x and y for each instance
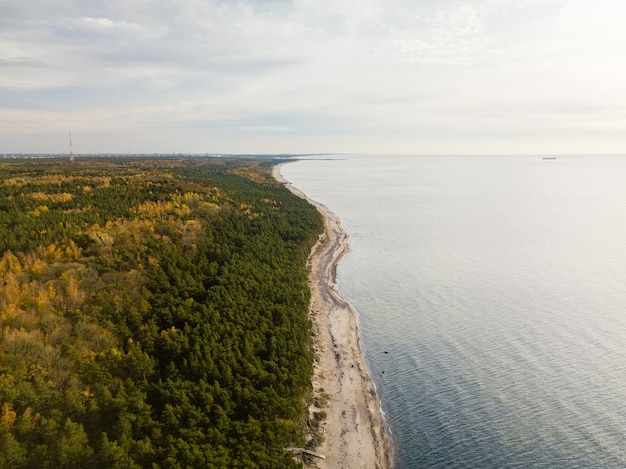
(354, 432)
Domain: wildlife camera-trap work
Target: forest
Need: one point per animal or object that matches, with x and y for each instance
(153, 314)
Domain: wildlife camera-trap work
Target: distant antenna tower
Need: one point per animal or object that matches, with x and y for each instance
(72, 160)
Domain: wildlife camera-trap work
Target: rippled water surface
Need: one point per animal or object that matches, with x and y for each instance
(492, 302)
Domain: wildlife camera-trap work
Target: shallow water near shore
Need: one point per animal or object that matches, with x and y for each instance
(491, 300)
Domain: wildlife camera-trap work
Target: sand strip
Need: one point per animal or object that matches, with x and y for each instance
(354, 431)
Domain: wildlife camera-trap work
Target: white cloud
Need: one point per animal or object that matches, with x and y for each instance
(300, 75)
(591, 25)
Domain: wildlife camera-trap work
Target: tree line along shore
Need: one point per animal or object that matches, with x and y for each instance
(153, 313)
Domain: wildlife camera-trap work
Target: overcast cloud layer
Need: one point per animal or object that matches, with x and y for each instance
(290, 76)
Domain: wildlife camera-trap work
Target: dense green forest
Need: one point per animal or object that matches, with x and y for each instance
(153, 313)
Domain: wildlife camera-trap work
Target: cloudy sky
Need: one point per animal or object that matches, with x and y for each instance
(304, 76)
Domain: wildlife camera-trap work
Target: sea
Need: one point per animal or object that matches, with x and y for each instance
(491, 299)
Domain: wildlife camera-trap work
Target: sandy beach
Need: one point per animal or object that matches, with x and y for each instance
(353, 431)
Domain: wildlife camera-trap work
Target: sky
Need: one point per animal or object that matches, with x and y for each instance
(309, 76)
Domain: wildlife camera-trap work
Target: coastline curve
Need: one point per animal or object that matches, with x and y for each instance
(354, 431)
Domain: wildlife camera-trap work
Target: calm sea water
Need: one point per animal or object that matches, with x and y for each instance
(491, 294)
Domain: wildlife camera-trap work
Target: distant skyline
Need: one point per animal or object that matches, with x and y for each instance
(307, 76)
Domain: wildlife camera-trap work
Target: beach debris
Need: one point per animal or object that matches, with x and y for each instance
(309, 452)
